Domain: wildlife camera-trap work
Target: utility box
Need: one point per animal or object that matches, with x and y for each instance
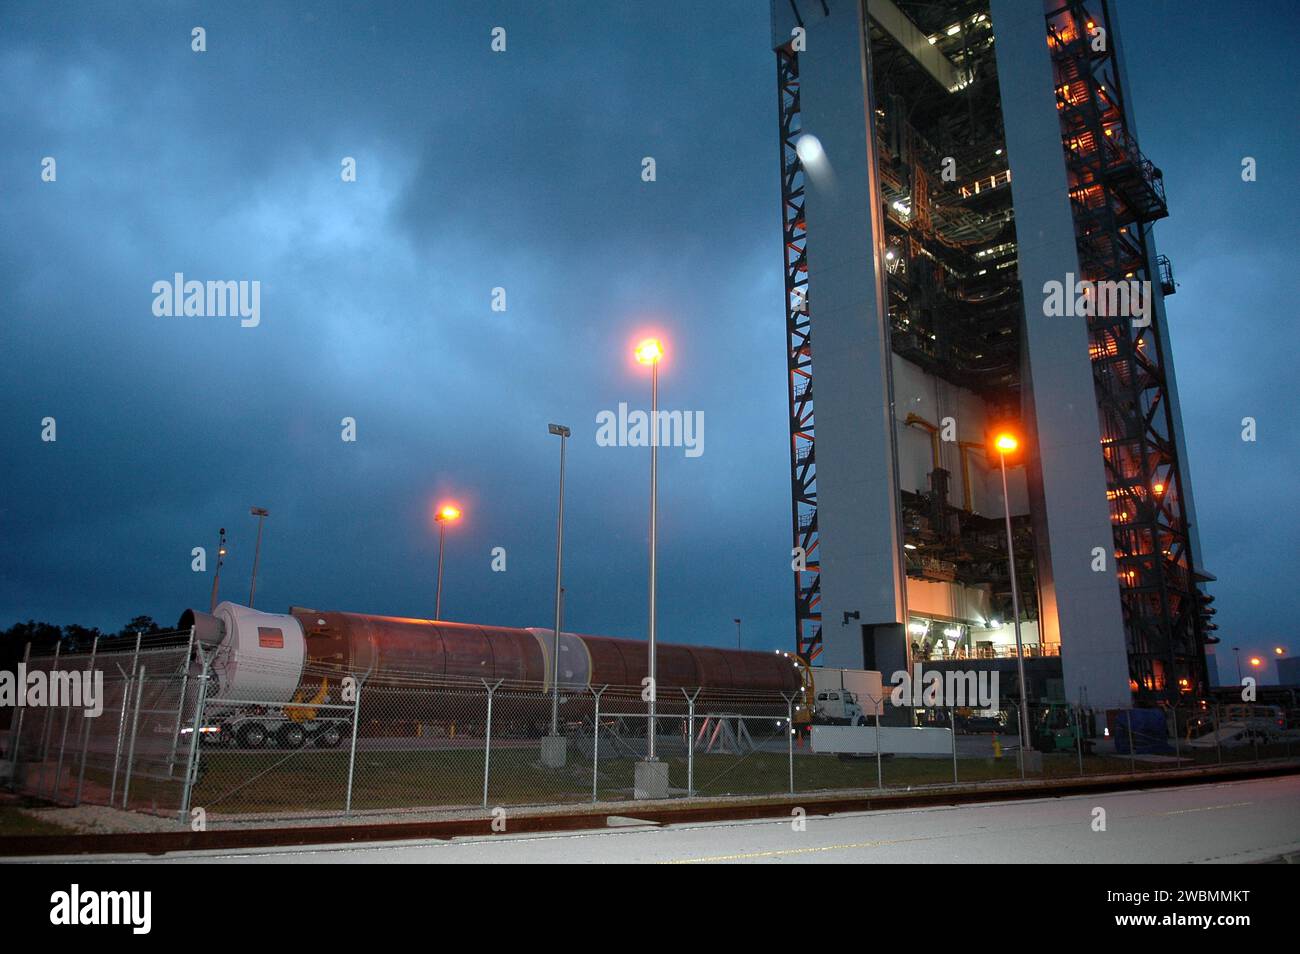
(1145, 727)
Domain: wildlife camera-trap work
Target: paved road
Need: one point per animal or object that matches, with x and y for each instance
(1230, 822)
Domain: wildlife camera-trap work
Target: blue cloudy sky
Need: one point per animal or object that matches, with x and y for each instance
(520, 170)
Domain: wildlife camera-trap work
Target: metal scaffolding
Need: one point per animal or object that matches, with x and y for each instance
(803, 461)
(1115, 193)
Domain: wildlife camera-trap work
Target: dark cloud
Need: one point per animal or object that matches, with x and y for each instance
(520, 170)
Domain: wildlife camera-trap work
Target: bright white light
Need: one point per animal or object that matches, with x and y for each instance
(994, 622)
(952, 632)
(954, 29)
(809, 149)
(917, 628)
(906, 546)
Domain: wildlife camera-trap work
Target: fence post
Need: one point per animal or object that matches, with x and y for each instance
(1076, 713)
(1218, 742)
(352, 754)
(135, 726)
(16, 728)
(595, 745)
(63, 744)
(952, 727)
(487, 738)
(880, 772)
(85, 727)
(180, 704)
(192, 763)
(1024, 734)
(1132, 753)
(121, 728)
(789, 735)
(49, 710)
(690, 741)
(44, 751)
(135, 656)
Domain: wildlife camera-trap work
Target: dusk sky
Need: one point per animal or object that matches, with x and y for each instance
(520, 170)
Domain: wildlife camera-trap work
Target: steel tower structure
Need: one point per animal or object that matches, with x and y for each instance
(1115, 194)
(928, 296)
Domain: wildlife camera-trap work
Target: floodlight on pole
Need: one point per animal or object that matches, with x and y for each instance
(447, 513)
(563, 433)
(216, 576)
(1007, 443)
(650, 351)
(261, 514)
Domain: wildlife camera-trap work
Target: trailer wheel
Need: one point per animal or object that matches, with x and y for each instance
(329, 737)
(293, 736)
(252, 736)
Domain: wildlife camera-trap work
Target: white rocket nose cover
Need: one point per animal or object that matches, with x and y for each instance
(262, 657)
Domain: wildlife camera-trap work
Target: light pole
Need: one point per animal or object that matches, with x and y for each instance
(1236, 652)
(261, 516)
(1005, 444)
(651, 352)
(216, 577)
(446, 514)
(737, 622)
(562, 433)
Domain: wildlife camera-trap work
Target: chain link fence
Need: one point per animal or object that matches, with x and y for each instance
(107, 726)
(167, 742)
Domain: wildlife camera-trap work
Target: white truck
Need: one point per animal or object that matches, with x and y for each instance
(838, 707)
(846, 696)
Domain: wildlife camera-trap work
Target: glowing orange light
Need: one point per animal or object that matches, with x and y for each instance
(1279, 650)
(1005, 442)
(1256, 661)
(649, 351)
(448, 512)
(1158, 488)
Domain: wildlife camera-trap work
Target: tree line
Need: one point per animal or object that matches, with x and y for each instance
(72, 638)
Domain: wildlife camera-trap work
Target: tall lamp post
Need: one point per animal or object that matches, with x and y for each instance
(447, 513)
(562, 433)
(1005, 444)
(261, 515)
(651, 352)
(737, 622)
(216, 577)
